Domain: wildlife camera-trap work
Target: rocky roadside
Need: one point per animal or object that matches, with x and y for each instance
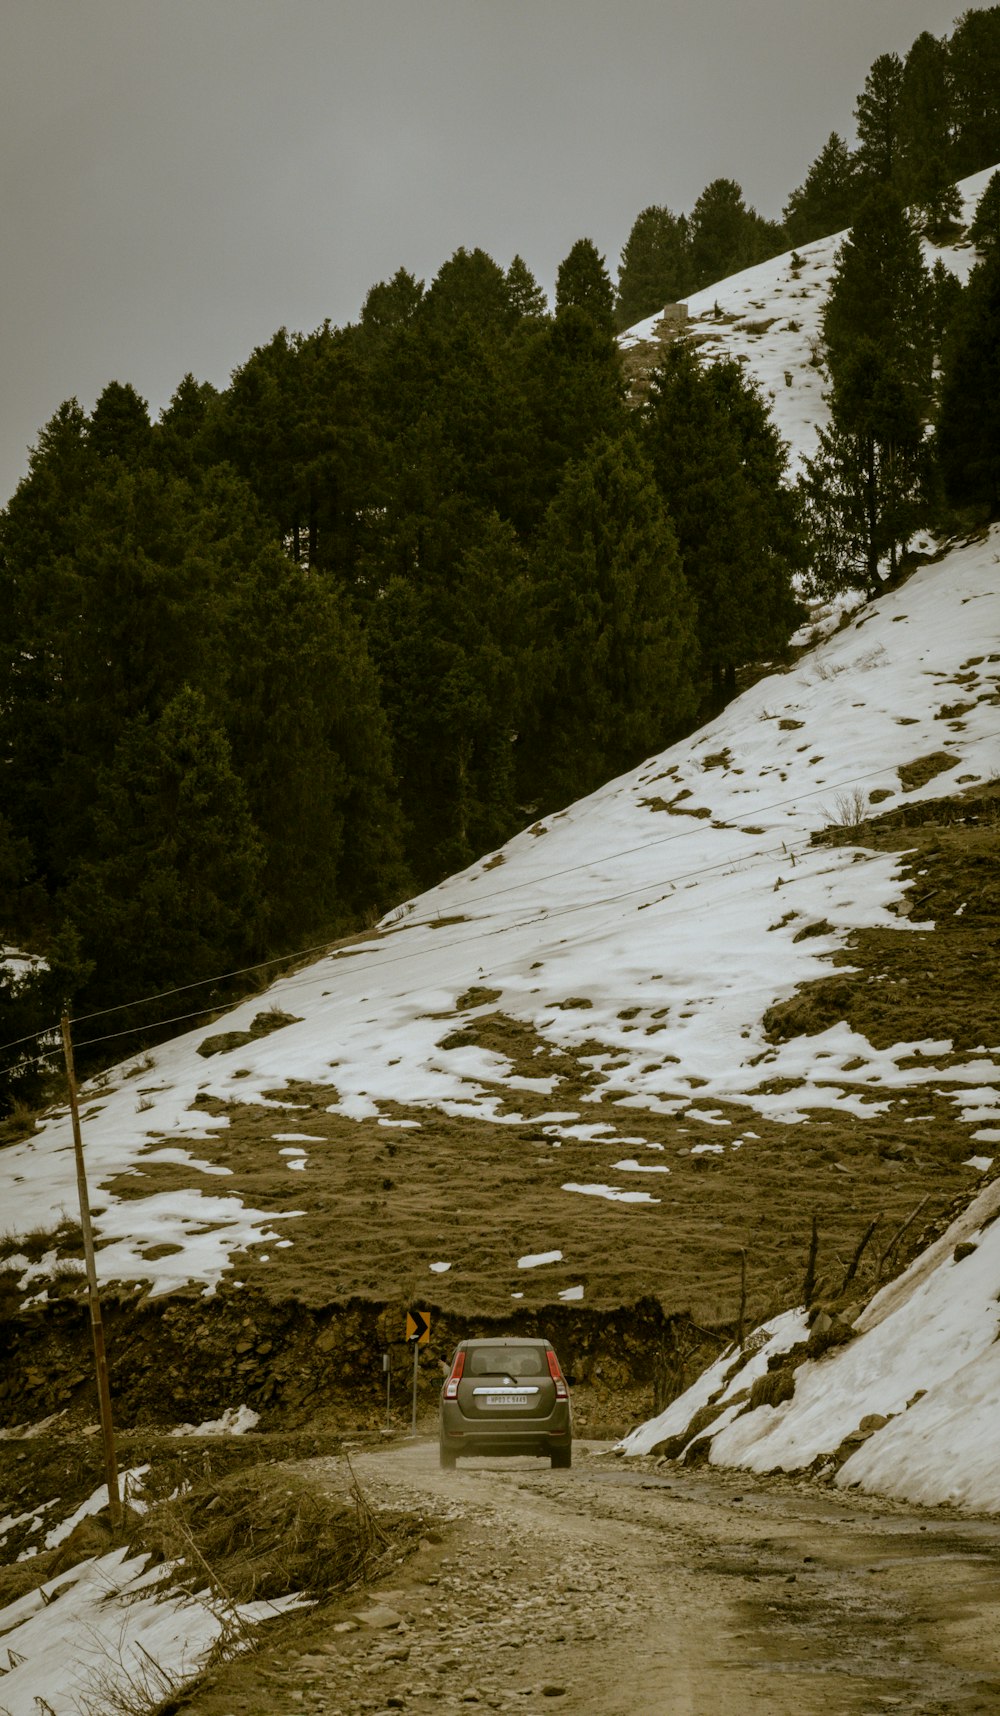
(617, 1589)
(485, 1615)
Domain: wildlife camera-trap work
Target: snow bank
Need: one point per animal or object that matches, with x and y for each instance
(107, 1635)
(925, 1366)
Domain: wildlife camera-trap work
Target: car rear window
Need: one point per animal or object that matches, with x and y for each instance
(507, 1361)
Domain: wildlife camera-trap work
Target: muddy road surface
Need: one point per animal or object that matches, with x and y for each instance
(622, 1589)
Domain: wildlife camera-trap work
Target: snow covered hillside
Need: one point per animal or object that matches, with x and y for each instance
(569, 1047)
(909, 1408)
(660, 918)
(768, 318)
(906, 1408)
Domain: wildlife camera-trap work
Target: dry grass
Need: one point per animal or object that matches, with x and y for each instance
(674, 806)
(231, 1521)
(923, 769)
(384, 1203)
(851, 810)
(66, 1238)
(265, 1532)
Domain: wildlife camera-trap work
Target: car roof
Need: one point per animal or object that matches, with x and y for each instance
(506, 1341)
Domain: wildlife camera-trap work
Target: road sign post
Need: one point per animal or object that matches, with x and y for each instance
(418, 1330)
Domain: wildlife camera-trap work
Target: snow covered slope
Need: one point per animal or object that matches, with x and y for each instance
(768, 317)
(639, 938)
(907, 1408)
(659, 918)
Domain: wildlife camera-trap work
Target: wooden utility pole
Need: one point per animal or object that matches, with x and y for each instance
(741, 1321)
(97, 1327)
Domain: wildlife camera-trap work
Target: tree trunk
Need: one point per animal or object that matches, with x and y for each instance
(871, 512)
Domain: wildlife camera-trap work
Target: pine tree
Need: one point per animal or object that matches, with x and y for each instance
(876, 114)
(936, 200)
(39, 617)
(119, 426)
(450, 648)
(968, 429)
(923, 118)
(525, 296)
(654, 268)
(762, 238)
(866, 488)
(880, 292)
(336, 457)
(168, 893)
(613, 625)
(469, 285)
(115, 582)
(570, 380)
(720, 468)
(311, 744)
(718, 222)
(726, 236)
(583, 283)
(181, 441)
(826, 201)
(985, 229)
(257, 431)
(974, 67)
(295, 423)
(392, 304)
(946, 298)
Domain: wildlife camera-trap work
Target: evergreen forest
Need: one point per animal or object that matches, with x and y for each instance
(920, 122)
(307, 644)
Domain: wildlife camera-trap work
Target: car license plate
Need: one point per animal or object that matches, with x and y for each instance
(507, 1400)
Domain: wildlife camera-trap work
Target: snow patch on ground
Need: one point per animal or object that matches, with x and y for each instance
(106, 1630)
(235, 1421)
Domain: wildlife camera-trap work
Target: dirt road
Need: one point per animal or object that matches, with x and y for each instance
(619, 1589)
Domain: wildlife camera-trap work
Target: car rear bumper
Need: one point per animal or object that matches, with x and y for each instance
(505, 1447)
(461, 1435)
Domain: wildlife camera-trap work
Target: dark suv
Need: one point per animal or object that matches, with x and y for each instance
(506, 1396)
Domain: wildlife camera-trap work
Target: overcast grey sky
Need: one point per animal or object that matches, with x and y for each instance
(182, 177)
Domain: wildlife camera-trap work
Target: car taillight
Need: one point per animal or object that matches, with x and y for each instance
(562, 1392)
(451, 1386)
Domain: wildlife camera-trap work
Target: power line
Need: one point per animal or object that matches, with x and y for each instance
(183, 988)
(683, 833)
(481, 933)
(548, 914)
(544, 914)
(136, 1030)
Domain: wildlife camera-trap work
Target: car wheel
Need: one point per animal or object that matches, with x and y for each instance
(562, 1456)
(448, 1457)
